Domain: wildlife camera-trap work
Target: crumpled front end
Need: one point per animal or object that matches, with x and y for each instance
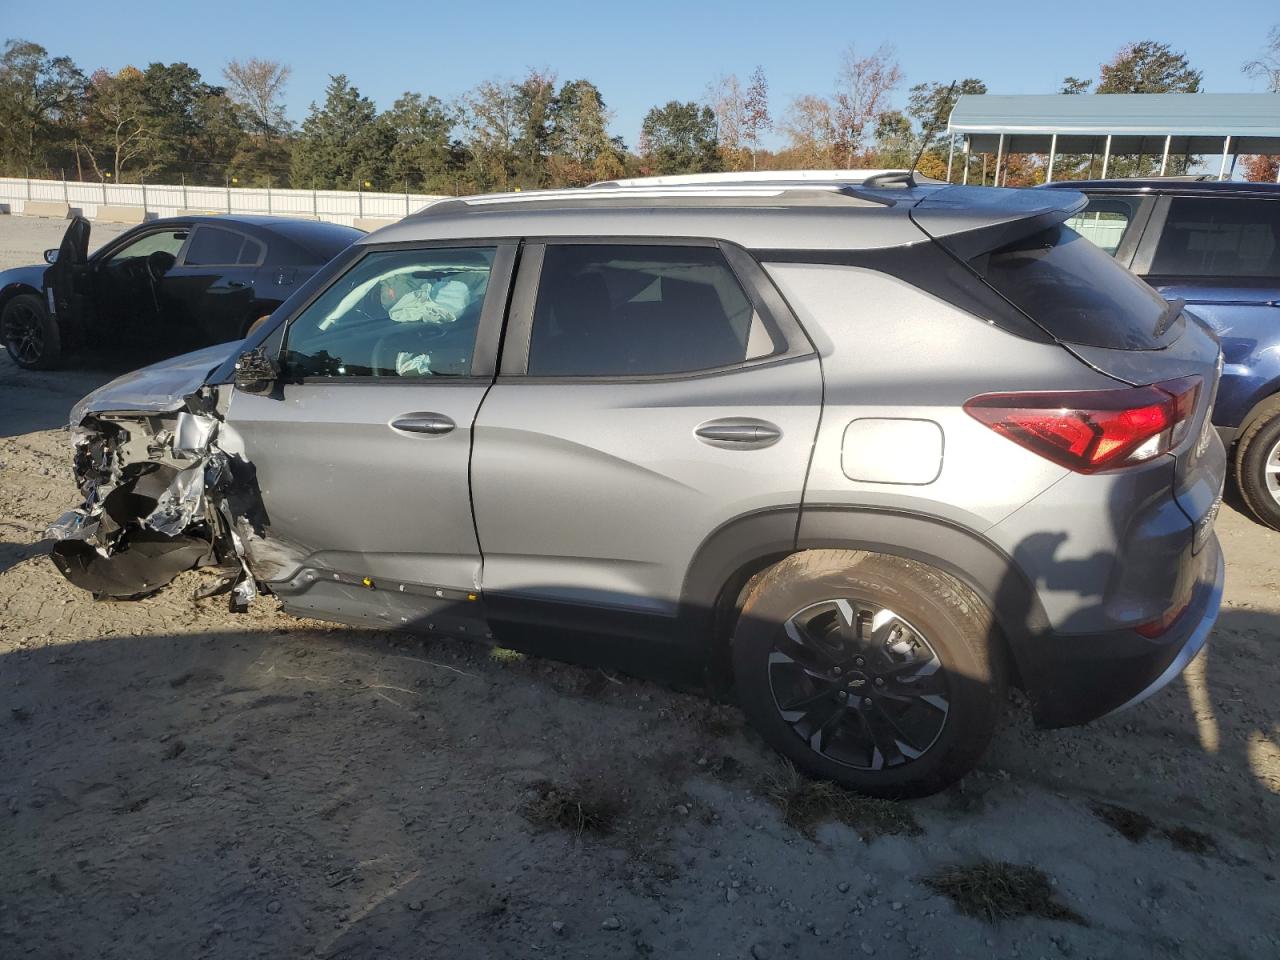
(160, 497)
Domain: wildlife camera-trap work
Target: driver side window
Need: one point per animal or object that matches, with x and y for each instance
(162, 241)
(395, 313)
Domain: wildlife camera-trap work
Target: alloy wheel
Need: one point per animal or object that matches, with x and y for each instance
(24, 333)
(859, 684)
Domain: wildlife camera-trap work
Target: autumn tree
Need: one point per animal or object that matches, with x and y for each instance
(257, 87)
(929, 105)
(679, 138)
(895, 140)
(728, 102)
(582, 151)
(117, 130)
(1148, 67)
(491, 118)
(756, 120)
(863, 86)
(1265, 67)
(810, 129)
(534, 103)
(40, 96)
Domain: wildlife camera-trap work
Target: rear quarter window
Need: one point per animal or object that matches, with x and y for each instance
(1106, 221)
(1076, 292)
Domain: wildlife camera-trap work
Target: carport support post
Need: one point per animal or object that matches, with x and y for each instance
(1106, 157)
(1164, 159)
(995, 179)
(951, 152)
(967, 157)
(1053, 148)
(1226, 147)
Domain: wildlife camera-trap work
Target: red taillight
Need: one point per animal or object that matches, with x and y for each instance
(1093, 430)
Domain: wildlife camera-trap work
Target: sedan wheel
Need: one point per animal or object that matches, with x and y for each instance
(30, 335)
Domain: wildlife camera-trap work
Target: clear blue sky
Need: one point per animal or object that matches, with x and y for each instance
(639, 53)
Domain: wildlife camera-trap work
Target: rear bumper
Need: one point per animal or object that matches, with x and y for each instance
(1074, 679)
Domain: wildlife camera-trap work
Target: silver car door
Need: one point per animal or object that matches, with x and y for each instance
(363, 454)
(650, 393)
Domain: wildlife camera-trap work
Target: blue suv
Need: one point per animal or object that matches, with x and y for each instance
(1215, 245)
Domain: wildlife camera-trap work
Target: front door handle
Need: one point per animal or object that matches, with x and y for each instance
(429, 423)
(738, 433)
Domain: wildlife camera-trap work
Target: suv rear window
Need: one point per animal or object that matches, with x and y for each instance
(1212, 237)
(1076, 292)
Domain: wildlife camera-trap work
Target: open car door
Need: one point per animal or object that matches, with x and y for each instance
(66, 282)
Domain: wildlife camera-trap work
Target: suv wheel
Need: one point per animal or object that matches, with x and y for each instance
(870, 670)
(1258, 468)
(30, 334)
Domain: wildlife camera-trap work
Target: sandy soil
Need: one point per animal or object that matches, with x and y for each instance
(176, 780)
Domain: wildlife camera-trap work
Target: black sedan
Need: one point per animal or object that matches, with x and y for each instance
(163, 288)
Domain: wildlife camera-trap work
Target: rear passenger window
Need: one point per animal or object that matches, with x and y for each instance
(611, 310)
(1212, 237)
(215, 247)
(1105, 221)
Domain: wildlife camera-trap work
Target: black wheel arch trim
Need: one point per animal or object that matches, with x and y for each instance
(743, 546)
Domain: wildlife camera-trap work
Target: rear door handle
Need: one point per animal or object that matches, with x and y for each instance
(429, 423)
(738, 433)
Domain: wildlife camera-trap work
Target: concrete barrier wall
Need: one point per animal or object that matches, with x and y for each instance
(29, 197)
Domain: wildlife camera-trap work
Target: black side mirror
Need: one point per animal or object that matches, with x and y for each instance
(256, 372)
(51, 255)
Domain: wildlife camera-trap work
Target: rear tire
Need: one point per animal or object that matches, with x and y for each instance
(877, 672)
(1258, 468)
(30, 335)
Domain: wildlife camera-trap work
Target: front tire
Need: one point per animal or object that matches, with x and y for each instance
(31, 336)
(876, 672)
(1258, 468)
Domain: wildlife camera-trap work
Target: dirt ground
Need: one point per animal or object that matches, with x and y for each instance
(179, 781)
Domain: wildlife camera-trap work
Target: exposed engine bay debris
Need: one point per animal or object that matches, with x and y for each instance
(160, 497)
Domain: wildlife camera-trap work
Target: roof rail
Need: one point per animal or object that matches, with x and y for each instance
(751, 177)
(814, 193)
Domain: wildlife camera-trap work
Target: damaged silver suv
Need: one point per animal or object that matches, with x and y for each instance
(868, 450)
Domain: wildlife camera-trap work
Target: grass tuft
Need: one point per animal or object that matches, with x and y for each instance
(995, 891)
(806, 804)
(580, 808)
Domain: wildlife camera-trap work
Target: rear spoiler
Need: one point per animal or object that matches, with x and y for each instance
(970, 221)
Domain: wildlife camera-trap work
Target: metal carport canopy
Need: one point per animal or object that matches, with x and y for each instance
(1136, 122)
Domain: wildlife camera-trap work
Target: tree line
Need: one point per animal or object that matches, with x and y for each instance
(166, 122)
